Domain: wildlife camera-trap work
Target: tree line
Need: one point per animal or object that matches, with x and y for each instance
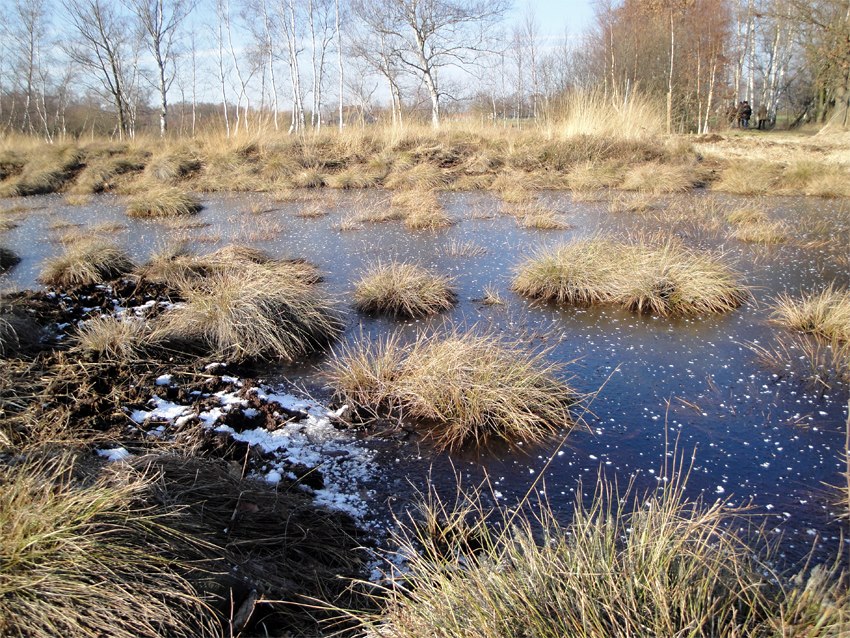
(121, 67)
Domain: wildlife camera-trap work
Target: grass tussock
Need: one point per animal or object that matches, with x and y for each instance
(246, 311)
(632, 203)
(626, 565)
(593, 176)
(539, 217)
(745, 215)
(468, 388)
(761, 232)
(162, 201)
(86, 262)
(45, 170)
(462, 248)
(824, 314)
(113, 338)
(404, 290)
(417, 177)
(77, 561)
(657, 178)
(105, 172)
(664, 277)
(421, 210)
(749, 177)
(8, 259)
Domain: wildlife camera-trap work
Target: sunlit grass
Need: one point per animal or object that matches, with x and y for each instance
(88, 261)
(472, 387)
(661, 277)
(626, 565)
(404, 290)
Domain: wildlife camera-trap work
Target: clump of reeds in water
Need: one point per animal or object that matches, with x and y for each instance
(8, 259)
(470, 388)
(157, 200)
(664, 277)
(404, 290)
(421, 210)
(247, 310)
(627, 565)
(86, 262)
(824, 314)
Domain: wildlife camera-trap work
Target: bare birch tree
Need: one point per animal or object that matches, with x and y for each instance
(100, 45)
(159, 22)
(430, 35)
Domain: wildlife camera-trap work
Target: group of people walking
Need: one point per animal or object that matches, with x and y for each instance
(741, 115)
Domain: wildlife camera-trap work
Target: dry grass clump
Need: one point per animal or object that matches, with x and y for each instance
(761, 232)
(492, 297)
(47, 169)
(403, 290)
(313, 210)
(470, 387)
(747, 215)
(251, 311)
(625, 566)
(421, 210)
(657, 177)
(593, 175)
(308, 178)
(418, 177)
(663, 278)
(102, 172)
(832, 184)
(173, 164)
(113, 338)
(749, 177)
(80, 561)
(538, 216)
(825, 314)
(86, 262)
(461, 248)
(174, 264)
(355, 177)
(8, 259)
(515, 187)
(632, 203)
(162, 201)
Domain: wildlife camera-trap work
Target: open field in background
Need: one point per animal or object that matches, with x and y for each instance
(548, 308)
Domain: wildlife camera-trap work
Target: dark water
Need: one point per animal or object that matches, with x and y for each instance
(760, 436)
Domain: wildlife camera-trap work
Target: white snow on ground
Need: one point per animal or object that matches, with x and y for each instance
(345, 464)
(114, 454)
(163, 411)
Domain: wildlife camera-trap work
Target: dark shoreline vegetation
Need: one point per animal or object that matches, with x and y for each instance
(181, 538)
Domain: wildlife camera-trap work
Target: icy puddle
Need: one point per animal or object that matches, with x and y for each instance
(762, 435)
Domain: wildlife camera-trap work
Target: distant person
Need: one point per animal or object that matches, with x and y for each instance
(761, 116)
(744, 114)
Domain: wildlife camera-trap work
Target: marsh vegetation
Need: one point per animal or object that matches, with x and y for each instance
(434, 326)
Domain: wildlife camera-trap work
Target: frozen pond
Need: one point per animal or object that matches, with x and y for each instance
(760, 435)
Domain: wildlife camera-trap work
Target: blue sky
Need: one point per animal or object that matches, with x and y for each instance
(555, 17)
